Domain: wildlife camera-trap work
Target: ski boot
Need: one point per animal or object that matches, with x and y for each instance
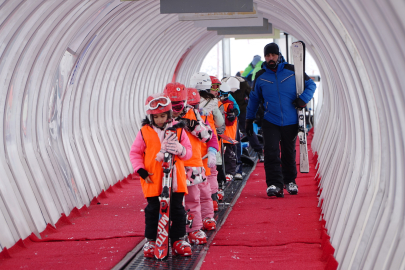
(149, 249)
(215, 201)
(229, 177)
(220, 194)
(209, 224)
(275, 191)
(238, 175)
(292, 188)
(215, 204)
(197, 237)
(181, 248)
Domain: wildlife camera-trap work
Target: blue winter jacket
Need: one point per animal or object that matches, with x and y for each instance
(276, 91)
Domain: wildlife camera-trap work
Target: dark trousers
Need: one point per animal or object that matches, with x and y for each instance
(221, 178)
(230, 159)
(253, 140)
(177, 217)
(238, 146)
(279, 171)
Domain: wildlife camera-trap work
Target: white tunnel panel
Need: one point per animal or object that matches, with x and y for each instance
(74, 76)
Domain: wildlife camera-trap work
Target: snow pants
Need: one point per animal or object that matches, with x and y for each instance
(212, 180)
(230, 159)
(279, 171)
(199, 202)
(177, 216)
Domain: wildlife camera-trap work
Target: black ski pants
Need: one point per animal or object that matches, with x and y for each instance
(177, 216)
(279, 171)
(230, 159)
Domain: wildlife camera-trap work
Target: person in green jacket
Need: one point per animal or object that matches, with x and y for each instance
(250, 72)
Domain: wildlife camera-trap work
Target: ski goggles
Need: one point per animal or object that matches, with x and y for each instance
(178, 107)
(215, 87)
(156, 102)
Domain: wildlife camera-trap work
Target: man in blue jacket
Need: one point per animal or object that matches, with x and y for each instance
(274, 87)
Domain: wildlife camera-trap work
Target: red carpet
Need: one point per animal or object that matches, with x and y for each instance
(272, 233)
(97, 237)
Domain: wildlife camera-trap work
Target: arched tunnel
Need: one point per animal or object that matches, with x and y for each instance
(74, 76)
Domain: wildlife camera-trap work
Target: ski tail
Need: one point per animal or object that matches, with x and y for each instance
(162, 238)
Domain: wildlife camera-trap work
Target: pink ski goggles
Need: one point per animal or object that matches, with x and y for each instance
(178, 107)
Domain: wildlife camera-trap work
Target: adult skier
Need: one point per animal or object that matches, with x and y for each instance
(275, 89)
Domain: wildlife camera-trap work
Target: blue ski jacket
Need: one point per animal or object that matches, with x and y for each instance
(276, 91)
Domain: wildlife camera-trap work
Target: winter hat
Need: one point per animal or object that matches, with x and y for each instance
(271, 48)
(256, 59)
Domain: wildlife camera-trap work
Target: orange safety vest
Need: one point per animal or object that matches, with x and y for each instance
(153, 146)
(230, 131)
(204, 147)
(195, 160)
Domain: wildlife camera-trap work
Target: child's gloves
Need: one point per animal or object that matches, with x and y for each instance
(145, 175)
(190, 124)
(171, 138)
(160, 156)
(212, 159)
(175, 148)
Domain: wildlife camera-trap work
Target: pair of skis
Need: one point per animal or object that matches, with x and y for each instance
(298, 55)
(162, 238)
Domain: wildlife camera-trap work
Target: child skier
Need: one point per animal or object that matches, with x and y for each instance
(210, 112)
(198, 200)
(209, 151)
(215, 88)
(146, 155)
(231, 124)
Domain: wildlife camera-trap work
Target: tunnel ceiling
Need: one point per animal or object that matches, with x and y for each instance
(74, 76)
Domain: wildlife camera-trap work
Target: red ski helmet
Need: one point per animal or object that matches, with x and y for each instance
(157, 103)
(193, 96)
(176, 92)
(214, 80)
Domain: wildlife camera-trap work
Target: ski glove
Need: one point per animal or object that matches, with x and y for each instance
(249, 127)
(160, 156)
(190, 124)
(230, 118)
(299, 103)
(171, 138)
(176, 148)
(212, 159)
(145, 175)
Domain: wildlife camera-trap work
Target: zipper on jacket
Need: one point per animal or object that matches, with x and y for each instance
(266, 80)
(287, 78)
(279, 99)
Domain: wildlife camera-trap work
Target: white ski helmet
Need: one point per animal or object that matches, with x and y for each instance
(200, 81)
(224, 87)
(232, 82)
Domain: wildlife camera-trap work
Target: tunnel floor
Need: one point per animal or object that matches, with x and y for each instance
(253, 231)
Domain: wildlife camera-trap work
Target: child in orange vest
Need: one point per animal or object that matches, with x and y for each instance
(146, 156)
(198, 200)
(231, 123)
(210, 112)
